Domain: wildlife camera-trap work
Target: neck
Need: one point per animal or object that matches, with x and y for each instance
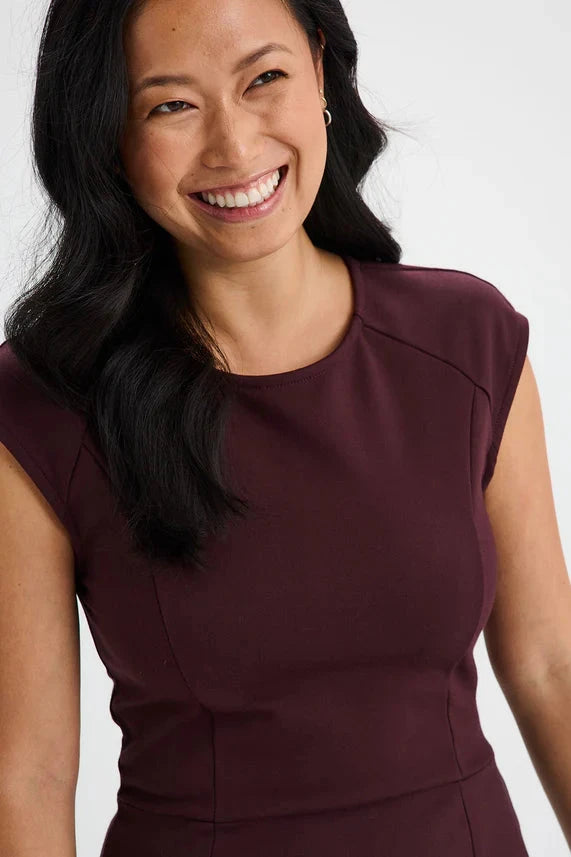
(252, 306)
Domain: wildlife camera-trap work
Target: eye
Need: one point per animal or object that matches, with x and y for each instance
(273, 71)
(276, 71)
(167, 104)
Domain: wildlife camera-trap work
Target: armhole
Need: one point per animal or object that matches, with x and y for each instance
(501, 413)
(39, 477)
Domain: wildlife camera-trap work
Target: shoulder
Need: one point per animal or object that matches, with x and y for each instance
(453, 315)
(41, 434)
(26, 406)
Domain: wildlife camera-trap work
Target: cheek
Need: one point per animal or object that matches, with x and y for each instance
(301, 109)
(153, 162)
(307, 128)
(303, 115)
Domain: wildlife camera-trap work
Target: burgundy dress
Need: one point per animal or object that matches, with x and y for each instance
(313, 693)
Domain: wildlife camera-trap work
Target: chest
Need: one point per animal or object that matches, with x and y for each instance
(360, 544)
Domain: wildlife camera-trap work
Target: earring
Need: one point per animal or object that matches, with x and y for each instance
(327, 114)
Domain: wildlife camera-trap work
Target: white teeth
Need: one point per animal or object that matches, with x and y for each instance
(255, 195)
(241, 200)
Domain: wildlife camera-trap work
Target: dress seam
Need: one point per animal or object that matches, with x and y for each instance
(482, 602)
(210, 714)
(293, 815)
(428, 354)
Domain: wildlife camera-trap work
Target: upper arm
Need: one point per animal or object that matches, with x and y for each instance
(528, 633)
(39, 638)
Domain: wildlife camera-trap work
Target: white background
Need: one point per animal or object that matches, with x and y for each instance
(479, 181)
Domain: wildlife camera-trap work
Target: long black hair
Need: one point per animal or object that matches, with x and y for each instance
(107, 329)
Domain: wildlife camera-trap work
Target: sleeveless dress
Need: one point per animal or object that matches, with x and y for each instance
(313, 694)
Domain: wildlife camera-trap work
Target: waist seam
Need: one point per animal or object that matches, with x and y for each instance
(122, 801)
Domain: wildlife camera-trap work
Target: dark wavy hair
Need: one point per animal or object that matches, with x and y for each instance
(107, 328)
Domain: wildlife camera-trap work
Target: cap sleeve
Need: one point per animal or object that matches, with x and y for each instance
(41, 435)
(505, 353)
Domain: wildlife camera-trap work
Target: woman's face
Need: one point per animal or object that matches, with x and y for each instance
(223, 126)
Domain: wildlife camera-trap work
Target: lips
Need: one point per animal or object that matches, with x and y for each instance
(240, 213)
(241, 188)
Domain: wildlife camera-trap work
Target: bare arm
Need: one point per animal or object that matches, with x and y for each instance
(38, 823)
(39, 672)
(528, 635)
(541, 710)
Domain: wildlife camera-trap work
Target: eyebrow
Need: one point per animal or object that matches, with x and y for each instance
(250, 59)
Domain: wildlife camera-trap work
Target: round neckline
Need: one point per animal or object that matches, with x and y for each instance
(324, 363)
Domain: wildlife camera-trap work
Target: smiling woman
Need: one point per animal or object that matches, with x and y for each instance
(229, 128)
(268, 441)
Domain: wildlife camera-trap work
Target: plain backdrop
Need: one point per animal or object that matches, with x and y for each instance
(477, 179)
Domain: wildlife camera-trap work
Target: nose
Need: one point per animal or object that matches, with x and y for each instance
(231, 139)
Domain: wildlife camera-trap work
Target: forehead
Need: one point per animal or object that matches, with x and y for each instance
(195, 30)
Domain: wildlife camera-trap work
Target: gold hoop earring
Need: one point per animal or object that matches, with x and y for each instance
(326, 113)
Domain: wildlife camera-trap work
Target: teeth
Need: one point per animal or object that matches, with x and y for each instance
(254, 197)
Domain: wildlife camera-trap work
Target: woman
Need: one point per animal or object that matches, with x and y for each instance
(264, 450)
